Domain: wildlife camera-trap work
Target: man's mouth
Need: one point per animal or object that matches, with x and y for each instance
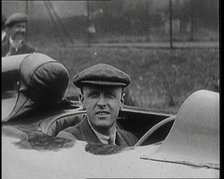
(19, 36)
(102, 113)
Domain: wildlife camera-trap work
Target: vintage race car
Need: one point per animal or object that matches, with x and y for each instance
(34, 110)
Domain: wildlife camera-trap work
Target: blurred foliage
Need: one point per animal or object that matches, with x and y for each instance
(161, 79)
(131, 16)
(147, 19)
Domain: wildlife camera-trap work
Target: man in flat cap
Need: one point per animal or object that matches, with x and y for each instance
(16, 31)
(102, 96)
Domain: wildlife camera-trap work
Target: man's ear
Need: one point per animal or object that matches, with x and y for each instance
(122, 100)
(81, 98)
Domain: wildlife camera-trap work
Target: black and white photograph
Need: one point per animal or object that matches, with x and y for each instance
(110, 89)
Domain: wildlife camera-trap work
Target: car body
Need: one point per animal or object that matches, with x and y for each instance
(182, 145)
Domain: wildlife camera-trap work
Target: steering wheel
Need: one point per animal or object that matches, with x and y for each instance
(153, 129)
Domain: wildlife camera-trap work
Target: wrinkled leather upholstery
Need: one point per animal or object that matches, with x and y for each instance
(43, 79)
(42, 83)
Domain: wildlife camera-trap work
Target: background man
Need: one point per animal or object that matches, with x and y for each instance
(102, 96)
(16, 31)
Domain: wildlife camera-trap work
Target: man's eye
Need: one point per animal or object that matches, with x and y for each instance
(92, 95)
(110, 95)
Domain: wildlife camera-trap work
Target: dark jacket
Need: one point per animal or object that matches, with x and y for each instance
(83, 131)
(25, 48)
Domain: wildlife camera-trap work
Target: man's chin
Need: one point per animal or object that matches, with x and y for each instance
(103, 124)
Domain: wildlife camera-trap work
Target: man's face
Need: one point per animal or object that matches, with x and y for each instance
(102, 105)
(17, 31)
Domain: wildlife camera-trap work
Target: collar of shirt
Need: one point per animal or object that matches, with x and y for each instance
(3, 35)
(103, 138)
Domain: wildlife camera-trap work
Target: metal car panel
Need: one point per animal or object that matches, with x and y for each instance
(75, 162)
(194, 137)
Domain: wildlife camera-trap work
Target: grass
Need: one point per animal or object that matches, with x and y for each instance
(161, 79)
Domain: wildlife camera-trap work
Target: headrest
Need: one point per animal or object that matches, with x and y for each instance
(43, 82)
(43, 79)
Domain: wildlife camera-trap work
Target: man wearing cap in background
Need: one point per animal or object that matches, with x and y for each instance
(102, 96)
(16, 31)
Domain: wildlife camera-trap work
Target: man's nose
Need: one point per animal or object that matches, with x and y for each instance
(101, 101)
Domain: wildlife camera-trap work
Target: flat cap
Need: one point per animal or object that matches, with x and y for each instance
(16, 17)
(102, 74)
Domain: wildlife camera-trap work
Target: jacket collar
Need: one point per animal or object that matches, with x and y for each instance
(89, 135)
